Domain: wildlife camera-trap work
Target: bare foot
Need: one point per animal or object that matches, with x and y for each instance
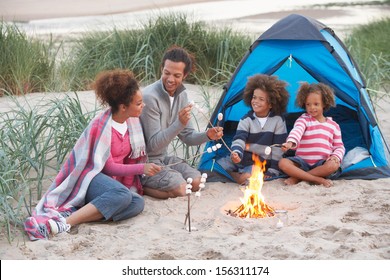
(327, 183)
(291, 181)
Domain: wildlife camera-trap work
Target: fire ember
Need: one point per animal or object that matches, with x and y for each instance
(253, 205)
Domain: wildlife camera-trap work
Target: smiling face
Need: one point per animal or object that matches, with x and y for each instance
(133, 109)
(314, 106)
(260, 103)
(172, 75)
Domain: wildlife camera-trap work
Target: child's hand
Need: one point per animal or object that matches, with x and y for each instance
(151, 169)
(235, 157)
(334, 159)
(287, 146)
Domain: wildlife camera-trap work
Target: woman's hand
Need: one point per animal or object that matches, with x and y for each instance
(151, 169)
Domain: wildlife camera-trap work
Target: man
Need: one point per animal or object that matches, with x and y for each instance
(166, 115)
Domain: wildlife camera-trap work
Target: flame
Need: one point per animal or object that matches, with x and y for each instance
(253, 205)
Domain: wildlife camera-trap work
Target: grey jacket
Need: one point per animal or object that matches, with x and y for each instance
(161, 123)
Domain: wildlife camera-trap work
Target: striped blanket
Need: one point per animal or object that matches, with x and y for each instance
(88, 157)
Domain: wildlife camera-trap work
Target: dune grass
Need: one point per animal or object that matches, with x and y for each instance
(25, 65)
(34, 140)
(369, 46)
(217, 52)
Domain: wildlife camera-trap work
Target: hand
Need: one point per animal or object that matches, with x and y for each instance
(215, 133)
(185, 114)
(151, 169)
(235, 157)
(287, 146)
(334, 158)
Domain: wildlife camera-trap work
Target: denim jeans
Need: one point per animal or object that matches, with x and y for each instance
(112, 199)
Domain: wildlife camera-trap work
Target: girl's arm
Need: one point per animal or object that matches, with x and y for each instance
(338, 145)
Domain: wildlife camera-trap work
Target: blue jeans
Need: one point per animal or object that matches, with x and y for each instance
(227, 164)
(306, 167)
(112, 199)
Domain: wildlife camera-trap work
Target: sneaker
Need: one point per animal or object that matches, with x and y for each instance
(57, 227)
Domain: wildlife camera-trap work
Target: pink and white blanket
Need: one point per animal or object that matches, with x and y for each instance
(88, 157)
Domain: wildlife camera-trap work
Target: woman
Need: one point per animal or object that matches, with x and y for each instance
(100, 179)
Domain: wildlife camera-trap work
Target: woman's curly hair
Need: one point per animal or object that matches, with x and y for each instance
(325, 91)
(115, 87)
(276, 89)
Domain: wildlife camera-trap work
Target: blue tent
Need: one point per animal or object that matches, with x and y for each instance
(297, 49)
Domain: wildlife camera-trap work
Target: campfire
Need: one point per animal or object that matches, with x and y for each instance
(253, 205)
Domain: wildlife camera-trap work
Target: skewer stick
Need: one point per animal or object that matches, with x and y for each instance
(226, 145)
(276, 145)
(220, 118)
(188, 213)
(220, 115)
(209, 150)
(197, 194)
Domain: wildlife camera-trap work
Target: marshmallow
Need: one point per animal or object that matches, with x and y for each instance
(189, 180)
(188, 191)
(220, 116)
(267, 150)
(209, 150)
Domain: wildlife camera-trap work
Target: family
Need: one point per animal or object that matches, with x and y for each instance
(122, 154)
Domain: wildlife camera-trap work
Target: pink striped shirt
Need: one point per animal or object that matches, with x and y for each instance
(315, 140)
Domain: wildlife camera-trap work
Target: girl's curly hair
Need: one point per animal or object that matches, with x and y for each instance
(115, 87)
(276, 89)
(325, 91)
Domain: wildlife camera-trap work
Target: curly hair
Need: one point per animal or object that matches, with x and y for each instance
(178, 54)
(115, 87)
(325, 91)
(278, 96)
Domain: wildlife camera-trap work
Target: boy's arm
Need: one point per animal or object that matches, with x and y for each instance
(240, 138)
(280, 135)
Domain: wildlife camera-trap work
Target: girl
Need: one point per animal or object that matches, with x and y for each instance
(316, 139)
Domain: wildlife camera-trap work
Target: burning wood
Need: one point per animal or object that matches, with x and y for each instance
(253, 205)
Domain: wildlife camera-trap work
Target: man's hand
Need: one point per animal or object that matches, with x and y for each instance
(215, 133)
(185, 114)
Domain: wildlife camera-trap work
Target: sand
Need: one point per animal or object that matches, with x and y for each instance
(349, 221)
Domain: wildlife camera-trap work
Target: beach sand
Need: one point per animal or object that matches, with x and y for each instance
(347, 221)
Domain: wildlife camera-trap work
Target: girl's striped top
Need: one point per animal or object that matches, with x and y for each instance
(315, 140)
